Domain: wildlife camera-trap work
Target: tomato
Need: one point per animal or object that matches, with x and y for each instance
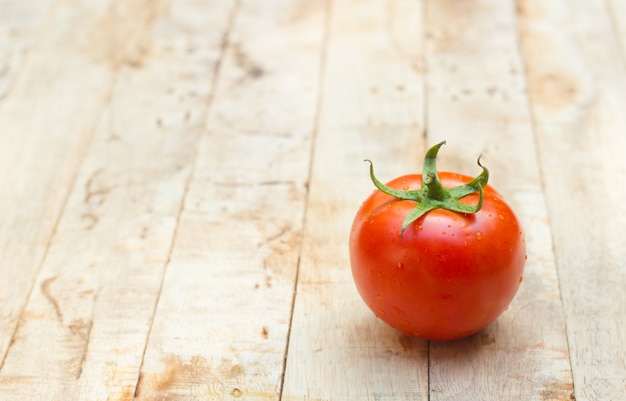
(443, 272)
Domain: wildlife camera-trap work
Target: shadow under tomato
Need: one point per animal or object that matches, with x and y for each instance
(386, 341)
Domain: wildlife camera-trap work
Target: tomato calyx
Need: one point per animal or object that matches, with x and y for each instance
(433, 195)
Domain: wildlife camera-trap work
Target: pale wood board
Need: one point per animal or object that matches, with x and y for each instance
(94, 298)
(477, 101)
(20, 23)
(616, 10)
(221, 325)
(371, 107)
(577, 82)
(46, 121)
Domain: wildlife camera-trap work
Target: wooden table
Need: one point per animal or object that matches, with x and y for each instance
(179, 179)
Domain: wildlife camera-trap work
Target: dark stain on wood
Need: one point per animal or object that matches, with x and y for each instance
(243, 61)
(558, 392)
(178, 377)
(487, 339)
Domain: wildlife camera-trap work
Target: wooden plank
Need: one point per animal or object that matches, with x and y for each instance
(221, 324)
(371, 108)
(94, 299)
(617, 16)
(19, 25)
(477, 101)
(46, 122)
(577, 84)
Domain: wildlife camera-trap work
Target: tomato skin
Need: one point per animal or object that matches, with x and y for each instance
(450, 274)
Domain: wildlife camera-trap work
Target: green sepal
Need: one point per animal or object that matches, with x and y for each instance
(414, 195)
(433, 195)
(415, 213)
(473, 186)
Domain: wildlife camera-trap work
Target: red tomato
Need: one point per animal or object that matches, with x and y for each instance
(449, 274)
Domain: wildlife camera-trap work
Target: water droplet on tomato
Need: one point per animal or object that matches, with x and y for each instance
(397, 311)
(479, 235)
(501, 217)
(381, 312)
(405, 323)
(400, 266)
(420, 228)
(379, 297)
(406, 187)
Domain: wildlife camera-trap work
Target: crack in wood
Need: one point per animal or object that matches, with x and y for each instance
(45, 290)
(92, 193)
(82, 329)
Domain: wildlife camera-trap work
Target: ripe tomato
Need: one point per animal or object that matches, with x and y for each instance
(438, 274)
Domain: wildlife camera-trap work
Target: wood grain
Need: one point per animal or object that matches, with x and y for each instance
(221, 326)
(477, 101)
(616, 11)
(94, 297)
(578, 89)
(46, 121)
(371, 107)
(20, 24)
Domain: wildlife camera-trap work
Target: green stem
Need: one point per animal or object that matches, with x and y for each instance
(433, 195)
(430, 177)
(436, 191)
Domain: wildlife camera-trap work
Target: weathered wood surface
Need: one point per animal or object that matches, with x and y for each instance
(477, 101)
(179, 179)
(578, 104)
(372, 89)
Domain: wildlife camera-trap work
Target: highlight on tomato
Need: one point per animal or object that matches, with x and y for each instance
(439, 255)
